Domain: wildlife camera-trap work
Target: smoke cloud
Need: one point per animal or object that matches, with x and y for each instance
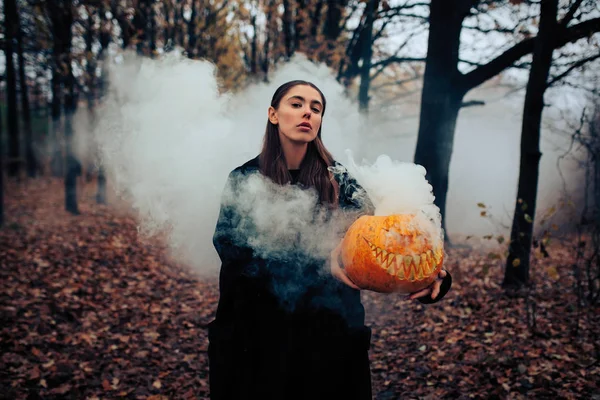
(397, 187)
(168, 139)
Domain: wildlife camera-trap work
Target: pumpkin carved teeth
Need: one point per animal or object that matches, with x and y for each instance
(407, 267)
(417, 261)
(400, 269)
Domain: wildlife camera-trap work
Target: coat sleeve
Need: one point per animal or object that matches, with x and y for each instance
(353, 197)
(229, 241)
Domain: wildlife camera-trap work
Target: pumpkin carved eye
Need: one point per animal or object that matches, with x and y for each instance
(391, 254)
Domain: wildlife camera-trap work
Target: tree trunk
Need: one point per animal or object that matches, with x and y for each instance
(191, 31)
(1, 177)
(333, 21)
(25, 108)
(267, 45)
(101, 179)
(14, 153)
(300, 22)
(168, 27)
(56, 159)
(72, 163)
(152, 28)
(367, 53)
(254, 49)
(61, 16)
(516, 272)
(140, 26)
(288, 36)
(176, 27)
(180, 25)
(316, 20)
(123, 21)
(91, 86)
(441, 98)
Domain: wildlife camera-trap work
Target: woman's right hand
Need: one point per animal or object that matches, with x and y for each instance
(336, 269)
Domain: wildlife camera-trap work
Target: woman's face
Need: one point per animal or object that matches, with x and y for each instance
(298, 116)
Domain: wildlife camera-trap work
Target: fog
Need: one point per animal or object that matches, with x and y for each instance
(168, 140)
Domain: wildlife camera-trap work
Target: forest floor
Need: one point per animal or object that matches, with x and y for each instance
(89, 310)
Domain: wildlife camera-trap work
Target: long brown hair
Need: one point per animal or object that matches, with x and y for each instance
(314, 170)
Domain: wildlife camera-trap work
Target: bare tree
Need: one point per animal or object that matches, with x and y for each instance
(444, 86)
(516, 272)
(25, 108)
(1, 177)
(10, 29)
(61, 18)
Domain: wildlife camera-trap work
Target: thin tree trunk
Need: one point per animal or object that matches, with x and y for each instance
(181, 25)
(267, 44)
(1, 177)
(254, 48)
(61, 15)
(516, 272)
(316, 20)
(14, 151)
(288, 36)
(73, 164)
(333, 21)
(176, 27)
(367, 53)
(300, 22)
(168, 26)
(56, 159)
(192, 35)
(25, 108)
(123, 23)
(152, 28)
(91, 86)
(441, 99)
(104, 42)
(140, 25)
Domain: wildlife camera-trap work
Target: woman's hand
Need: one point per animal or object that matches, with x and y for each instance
(336, 268)
(434, 288)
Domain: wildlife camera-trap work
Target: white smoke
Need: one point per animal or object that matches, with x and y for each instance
(397, 187)
(169, 139)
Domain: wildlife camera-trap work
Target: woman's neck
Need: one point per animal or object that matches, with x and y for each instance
(294, 153)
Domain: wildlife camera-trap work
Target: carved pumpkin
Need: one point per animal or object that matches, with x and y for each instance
(394, 253)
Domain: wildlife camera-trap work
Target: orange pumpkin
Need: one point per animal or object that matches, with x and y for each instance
(394, 253)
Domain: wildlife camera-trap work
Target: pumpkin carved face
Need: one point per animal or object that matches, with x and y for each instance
(391, 253)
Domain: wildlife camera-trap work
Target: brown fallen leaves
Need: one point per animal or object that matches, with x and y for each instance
(88, 310)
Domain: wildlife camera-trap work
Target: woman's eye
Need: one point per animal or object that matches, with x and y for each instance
(316, 110)
(296, 105)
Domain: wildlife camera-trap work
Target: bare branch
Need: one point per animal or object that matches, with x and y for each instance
(510, 56)
(397, 83)
(472, 103)
(398, 13)
(408, 7)
(394, 59)
(570, 14)
(482, 30)
(572, 68)
(382, 67)
(469, 62)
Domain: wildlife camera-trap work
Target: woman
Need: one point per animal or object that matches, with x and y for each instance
(312, 343)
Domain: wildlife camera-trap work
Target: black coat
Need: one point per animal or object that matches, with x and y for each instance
(310, 344)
